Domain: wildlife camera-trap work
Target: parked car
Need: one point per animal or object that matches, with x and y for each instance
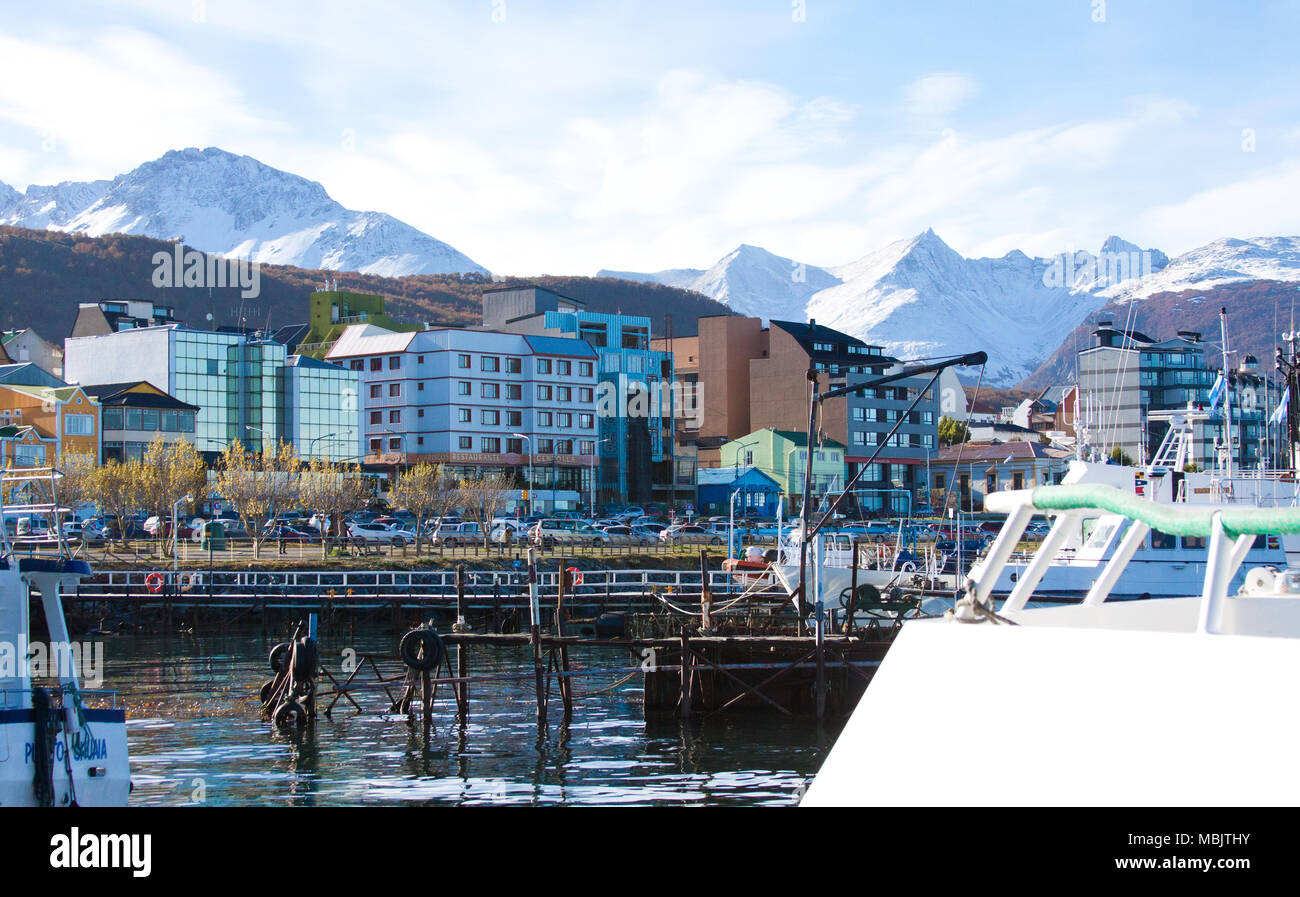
(554, 530)
(373, 532)
(449, 535)
(626, 535)
(690, 534)
(162, 528)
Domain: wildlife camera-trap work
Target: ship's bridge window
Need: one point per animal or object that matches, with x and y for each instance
(1163, 541)
(1194, 542)
(1100, 535)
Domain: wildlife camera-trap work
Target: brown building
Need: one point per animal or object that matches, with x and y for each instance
(753, 377)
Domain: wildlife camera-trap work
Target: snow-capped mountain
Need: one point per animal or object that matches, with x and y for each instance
(748, 280)
(920, 298)
(1222, 262)
(235, 205)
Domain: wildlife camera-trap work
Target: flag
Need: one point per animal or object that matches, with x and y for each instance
(1216, 391)
(1279, 413)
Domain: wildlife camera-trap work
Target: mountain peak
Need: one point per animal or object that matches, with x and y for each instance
(235, 205)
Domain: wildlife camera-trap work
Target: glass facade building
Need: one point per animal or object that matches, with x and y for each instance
(321, 408)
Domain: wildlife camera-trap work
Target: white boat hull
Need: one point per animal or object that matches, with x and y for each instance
(1037, 715)
(97, 758)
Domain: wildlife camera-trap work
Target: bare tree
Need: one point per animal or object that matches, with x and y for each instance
(332, 490)
(258, 486)
(426, 490)
(481, 495)
(171, 470)
(119, 490)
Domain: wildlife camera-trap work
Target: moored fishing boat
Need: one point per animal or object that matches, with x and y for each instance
(55, 749)
(1164, 701)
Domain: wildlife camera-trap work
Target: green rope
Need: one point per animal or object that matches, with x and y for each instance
(1177, 520)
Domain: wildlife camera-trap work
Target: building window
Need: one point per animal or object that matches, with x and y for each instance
(419, 412)
(859, 437)
(491, 390)
(491, 445)
(563, 394)
(394, 417)
(464, 415)
(545, 446)
(586, 421)
(395, 444)
(394, 362)
(376, 364)
(357, 364)
(420, 386)
(376, 445)
(565, 420)
(514, 365)
(563, 367)
(543, 418)
(491, 363)
(543, 393)
(514, 391)
(394, 390)
(376, 417)
(462, 388)
(543, 365)
(491, 417)
(584, 368)
(586, 395)
(419, 359)
(462, 361)
(79, 424)
(514, 419)
(515, 446)
(586, 447)
(564, 447)
(112, 419)
(466, 443)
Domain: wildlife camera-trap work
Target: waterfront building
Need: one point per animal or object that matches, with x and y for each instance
(783, 455)
(236, 380)
(974, 470)
(64, 417)
(24, 446)
(636, 434)
(134, 414)
(756, 492)
(29, 347)
(1127, 375)
(479, 399)
(102, 318)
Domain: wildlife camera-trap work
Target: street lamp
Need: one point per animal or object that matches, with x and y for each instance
(311, 448)
(185, 499)
(530, 469)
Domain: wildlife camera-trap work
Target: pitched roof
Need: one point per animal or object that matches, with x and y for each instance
(725, 476)
(801, 439)
(999, 451)
(122, 395)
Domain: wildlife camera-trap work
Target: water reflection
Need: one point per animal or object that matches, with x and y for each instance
(197, 736)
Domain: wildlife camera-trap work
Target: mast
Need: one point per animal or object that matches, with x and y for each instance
(1227, 390)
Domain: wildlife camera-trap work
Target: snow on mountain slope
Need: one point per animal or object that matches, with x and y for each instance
(235, 205)
(750, 281)
(920, 298)
(1221, 262)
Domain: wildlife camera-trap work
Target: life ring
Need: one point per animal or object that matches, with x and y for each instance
(421, 649)
(154, 582)
(575, 576)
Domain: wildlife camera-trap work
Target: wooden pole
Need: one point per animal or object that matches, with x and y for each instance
(687, 674)
(535, 635)
(706, 594)
(566, 687)
(819, 610)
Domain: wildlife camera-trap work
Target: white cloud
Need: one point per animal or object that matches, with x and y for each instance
(1261, 205)
(938, 94)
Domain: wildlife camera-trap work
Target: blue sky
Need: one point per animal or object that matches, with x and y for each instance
(566, 137)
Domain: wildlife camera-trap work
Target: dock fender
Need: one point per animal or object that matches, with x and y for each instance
(279, 655)
(421, 649)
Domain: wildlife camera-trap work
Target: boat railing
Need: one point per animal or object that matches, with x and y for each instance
(31, 493)
(1231, 531)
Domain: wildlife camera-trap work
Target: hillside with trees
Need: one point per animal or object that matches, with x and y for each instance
(45, 274)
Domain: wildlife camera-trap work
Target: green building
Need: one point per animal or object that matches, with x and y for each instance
(783, 455)
(329, 311)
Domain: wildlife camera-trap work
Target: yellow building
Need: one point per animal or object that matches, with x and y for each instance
(65, 416)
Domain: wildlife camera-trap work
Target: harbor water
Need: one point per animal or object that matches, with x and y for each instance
(197, 737)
